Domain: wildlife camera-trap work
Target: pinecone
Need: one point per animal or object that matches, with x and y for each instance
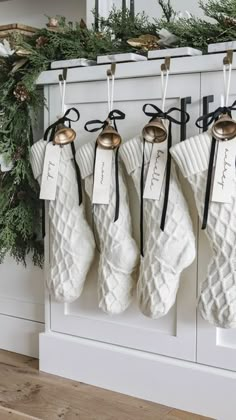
(82, 24)
(145, 42)
(21, 195)
(21, 92)
(18, 154)
(41, 41)
(229, 21)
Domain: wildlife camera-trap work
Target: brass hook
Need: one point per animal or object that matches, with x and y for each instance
(62, 77)
(228, 59)
(166, 65)
(112, 71)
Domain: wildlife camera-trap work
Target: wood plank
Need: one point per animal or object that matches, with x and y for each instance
(46, 397)
(19, 26)
(8, 414)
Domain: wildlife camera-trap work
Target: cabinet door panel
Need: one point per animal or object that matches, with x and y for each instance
(21, 290)
(175, 334)
(215, 346)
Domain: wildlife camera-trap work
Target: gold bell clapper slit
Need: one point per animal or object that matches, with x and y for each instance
(155, 131)
(109, 138)
(224, 128)
(64, 135)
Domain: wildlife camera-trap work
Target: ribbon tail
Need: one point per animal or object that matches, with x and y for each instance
(167, 185)
(208, 184)
(141, 202)
(43, 219)
(93, 221)
(78, 175)
(117, 209)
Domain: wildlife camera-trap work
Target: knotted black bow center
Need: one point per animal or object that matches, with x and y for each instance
(62, 120)
(159, 113)
(112, 117)
(207, 119)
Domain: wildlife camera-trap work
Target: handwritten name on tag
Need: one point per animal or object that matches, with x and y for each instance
(102, 176)
(156, 171)
(50, 172)
(224, 172)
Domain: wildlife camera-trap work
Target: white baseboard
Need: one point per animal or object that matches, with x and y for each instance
(20, 335)
(188, 386)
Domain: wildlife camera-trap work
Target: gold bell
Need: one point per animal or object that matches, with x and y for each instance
(109, 138)
(224, 128)
(64, 135)
(155, 131)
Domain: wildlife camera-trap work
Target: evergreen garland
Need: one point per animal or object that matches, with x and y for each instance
(20, 208)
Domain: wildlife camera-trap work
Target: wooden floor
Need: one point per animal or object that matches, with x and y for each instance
(25, 393)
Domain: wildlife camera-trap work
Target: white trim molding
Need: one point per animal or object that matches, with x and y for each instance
(184, 385)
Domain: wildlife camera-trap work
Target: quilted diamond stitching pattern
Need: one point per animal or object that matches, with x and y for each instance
(166, 253)
(217, 303)
(119, 252)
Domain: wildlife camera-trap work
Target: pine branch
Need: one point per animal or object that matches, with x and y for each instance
(167, 9)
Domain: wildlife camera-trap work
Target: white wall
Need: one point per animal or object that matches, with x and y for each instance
(152, 8)
(32, 12)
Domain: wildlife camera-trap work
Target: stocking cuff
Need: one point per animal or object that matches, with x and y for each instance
(36, 157)
(192, 155)
(37, 153)
(131, 153)
(85, 159)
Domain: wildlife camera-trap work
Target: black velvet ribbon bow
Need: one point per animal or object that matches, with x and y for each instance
(158, 113)
(113, 116)
(203, 122)
(50, 132)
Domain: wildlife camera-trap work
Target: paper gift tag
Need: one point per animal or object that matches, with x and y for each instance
(156, 171)
(224, 171)
(102, 176)
(50, 172)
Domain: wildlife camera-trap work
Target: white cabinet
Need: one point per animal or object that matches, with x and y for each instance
(175, 334)
(21, 307)
(172, 359)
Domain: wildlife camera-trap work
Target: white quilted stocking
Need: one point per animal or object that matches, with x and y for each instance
(119, 253)
(71, 240)
(166, 253)
(217, 303)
